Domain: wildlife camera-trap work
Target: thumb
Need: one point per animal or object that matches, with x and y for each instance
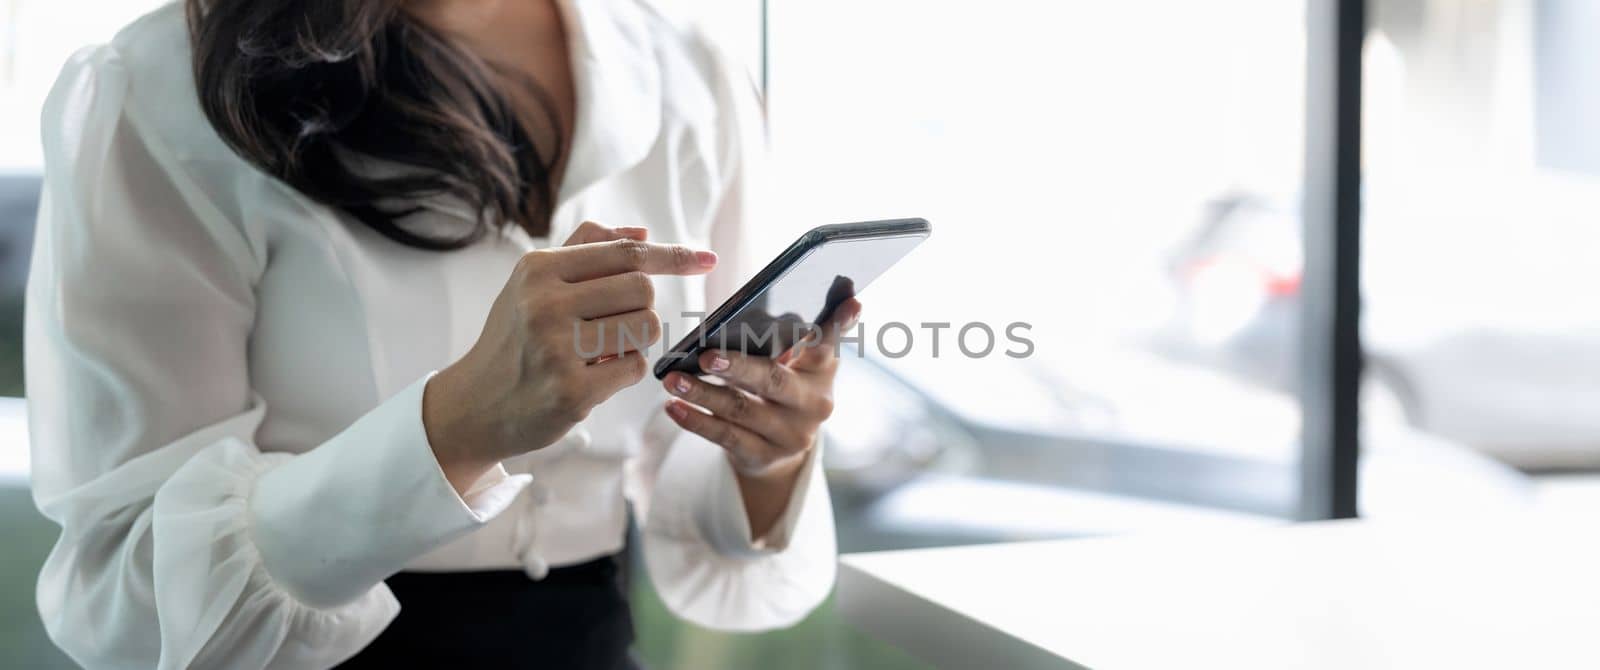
(823, 344)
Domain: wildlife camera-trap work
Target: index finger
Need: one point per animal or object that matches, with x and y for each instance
(602, 259)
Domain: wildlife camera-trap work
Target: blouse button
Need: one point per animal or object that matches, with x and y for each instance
(535, 566)
(578, 437)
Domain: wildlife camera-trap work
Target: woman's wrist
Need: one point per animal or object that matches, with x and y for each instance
(767, 494)
(449, 429)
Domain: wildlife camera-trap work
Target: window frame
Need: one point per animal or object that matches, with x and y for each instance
(1330, 318)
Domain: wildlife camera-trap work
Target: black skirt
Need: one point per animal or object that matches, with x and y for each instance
(576, 617)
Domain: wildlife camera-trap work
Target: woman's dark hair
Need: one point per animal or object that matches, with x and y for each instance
(319, 92)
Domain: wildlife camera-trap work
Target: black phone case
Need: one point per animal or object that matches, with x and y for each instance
(685, 355)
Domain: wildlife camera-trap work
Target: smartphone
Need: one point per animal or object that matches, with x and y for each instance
(798, 290)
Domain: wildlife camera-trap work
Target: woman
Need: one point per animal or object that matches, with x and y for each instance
(265, 227)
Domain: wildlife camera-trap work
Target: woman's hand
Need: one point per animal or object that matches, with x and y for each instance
(535, 372)
(767, 413)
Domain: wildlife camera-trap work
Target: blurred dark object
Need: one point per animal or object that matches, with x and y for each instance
(19, 204)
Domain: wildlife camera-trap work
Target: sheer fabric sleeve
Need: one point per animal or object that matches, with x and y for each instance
(182, 544)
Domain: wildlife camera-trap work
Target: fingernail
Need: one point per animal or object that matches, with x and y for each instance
(706, 258)
(719, 363)
(676, 410)
(680, 385)
(633, 231)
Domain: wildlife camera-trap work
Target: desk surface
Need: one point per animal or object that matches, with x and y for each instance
(1503, 593)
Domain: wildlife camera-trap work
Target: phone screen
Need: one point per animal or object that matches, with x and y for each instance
(781, 312)
(831, 274)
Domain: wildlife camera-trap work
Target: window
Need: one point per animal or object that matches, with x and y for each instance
(36, 37)
(1124, 178)
(1482, 192)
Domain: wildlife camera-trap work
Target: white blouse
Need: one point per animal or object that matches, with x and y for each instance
(225, 378)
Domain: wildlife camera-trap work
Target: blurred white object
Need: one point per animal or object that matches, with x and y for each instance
(1409, 474)
(13, 440)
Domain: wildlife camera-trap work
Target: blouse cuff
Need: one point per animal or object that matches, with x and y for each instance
(492, 493)
(335, 521)
(730, 519)
(701, 557)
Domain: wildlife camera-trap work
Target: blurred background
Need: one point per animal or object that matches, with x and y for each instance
(1127, 178)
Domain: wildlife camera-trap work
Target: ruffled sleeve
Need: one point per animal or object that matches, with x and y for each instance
(183, 544)
(704, 562)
